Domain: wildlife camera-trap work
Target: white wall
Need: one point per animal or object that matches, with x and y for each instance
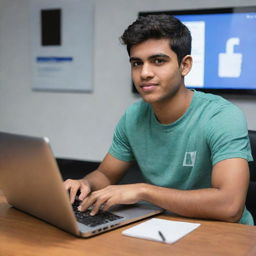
(80, 125)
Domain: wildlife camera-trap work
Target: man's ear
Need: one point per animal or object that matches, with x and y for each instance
(186, 65)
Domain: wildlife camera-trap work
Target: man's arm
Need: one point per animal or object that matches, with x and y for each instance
(109, 172)
(223, 201)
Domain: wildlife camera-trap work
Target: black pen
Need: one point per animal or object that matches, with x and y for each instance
(161, 235)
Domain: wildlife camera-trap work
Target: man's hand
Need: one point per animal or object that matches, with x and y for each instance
(112, 195)
(110, 171)
(73, 186)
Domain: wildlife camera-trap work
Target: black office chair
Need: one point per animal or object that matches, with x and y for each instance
(251, 195)
(75, 169)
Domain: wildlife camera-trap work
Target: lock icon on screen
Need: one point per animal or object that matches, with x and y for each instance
(230, 63)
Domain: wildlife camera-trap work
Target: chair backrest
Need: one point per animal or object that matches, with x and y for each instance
(251, 195)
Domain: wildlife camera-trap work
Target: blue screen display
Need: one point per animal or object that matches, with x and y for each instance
(229, 59)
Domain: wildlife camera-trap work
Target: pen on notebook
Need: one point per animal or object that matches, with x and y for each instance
(161, 235)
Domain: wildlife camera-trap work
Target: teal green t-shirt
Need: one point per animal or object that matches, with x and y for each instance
(181, 154)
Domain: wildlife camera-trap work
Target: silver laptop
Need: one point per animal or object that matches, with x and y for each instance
(31, 182)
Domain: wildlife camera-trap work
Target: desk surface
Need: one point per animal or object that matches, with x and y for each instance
(21, 234)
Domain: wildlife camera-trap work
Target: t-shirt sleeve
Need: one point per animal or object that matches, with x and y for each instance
(227, 135)
(120, 147)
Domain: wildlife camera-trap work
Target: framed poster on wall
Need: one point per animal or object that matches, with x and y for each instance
(62, 45)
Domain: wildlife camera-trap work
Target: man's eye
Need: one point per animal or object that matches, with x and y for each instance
(159, 61)
(136, 63)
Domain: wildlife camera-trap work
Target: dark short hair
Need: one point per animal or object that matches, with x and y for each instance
(159, 26)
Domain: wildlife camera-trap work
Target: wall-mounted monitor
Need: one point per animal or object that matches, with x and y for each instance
(223, 48)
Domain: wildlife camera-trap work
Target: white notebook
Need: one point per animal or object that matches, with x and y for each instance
(160, 230)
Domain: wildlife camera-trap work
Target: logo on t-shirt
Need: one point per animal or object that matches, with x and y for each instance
(189, 159)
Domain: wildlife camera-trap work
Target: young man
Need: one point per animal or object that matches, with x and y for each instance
(191, 147)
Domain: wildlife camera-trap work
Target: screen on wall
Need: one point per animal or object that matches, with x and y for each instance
(223, 48)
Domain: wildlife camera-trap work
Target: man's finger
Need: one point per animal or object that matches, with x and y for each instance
(97, 206)
(67, 184)
(106, 206)
(72, 193)
(84, 191)
(87, 202)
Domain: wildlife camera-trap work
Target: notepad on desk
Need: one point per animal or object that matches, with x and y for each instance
(161, 230)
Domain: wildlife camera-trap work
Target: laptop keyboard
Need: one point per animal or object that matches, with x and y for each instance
(102, 217)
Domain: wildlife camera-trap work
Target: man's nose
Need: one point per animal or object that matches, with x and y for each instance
(146, 72)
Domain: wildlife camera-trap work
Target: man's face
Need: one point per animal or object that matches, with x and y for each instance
(155, 70)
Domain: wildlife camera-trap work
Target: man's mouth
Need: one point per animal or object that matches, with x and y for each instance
(148, 87)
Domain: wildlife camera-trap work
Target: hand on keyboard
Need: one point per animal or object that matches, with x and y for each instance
(92, 221)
